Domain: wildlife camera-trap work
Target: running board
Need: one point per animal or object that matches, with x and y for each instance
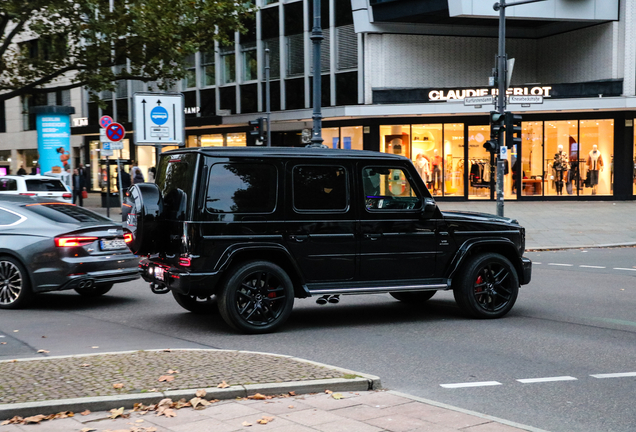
(358, 288)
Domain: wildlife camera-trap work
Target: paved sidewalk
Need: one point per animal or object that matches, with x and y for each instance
(549, 224)
(261, 391)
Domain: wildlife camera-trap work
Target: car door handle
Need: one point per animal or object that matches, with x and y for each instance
(372, 236)
(298, 237)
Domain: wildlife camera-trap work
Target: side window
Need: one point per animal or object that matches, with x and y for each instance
(320, 188)
(8, 185)
(241, 188)
(8, 218)
(388, 188)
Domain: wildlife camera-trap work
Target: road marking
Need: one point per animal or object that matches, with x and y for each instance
(616, 321)
(471, 384)
(587, 266)
(533, 262)
(562, 265)
(549, 379)
(628, 269)
(615, 375)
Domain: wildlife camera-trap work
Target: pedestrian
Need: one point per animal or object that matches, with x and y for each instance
(125, 180)
(152, 174)
(22, 171)
(136, 174)
(34, 170)
(79, 186)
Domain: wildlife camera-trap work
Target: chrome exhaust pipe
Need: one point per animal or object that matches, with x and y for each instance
(81, 284)
(88, 284)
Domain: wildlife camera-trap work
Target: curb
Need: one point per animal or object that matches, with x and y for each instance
(361, 382)
(595, 246)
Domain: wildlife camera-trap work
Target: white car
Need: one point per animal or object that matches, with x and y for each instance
(35, 185)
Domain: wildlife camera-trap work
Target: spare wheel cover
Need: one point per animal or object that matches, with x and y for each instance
(143, 217)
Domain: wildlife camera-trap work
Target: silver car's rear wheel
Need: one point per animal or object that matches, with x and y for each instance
(15, 291)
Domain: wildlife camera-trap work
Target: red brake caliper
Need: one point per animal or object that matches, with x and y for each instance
(479, 281)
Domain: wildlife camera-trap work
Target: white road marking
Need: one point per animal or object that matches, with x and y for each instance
(615, 375)
(534, 262)
(562, 265)
(548, 379)
(628, 269)
(471, 384)
(587, 266)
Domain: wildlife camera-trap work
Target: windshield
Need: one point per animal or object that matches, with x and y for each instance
(45, 185)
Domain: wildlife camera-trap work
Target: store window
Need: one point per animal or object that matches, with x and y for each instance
(236, 139)
(532, 176)
(214, 140)
(634, 179)
(396, 139)
(331, 137)
(562, 160)
(454, 164)
(351, 138)
(192, 141)
(427, 155)
(596, 157)
(479, 163)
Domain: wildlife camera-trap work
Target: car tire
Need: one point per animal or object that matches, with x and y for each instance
(195, 304)
(413, 297)
(256, 297)
(15, 287)
(94, 291)
(487, 286)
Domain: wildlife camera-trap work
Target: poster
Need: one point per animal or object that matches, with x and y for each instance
(54, 142)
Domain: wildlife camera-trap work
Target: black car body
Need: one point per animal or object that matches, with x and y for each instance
(48, 245)
(259, 226)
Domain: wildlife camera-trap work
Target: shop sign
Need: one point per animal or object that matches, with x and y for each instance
(80, 121)
(192, 110)
(461, 94)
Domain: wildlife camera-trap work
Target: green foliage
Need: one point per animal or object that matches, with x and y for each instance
(70, 43)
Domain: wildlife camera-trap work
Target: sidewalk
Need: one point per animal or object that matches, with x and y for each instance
(232, 390)
(549, 224)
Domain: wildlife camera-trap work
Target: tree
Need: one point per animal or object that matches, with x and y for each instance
(62, 44)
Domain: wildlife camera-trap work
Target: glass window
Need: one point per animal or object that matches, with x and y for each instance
(238, 139)
(250, 63)
(427, 155)
(388, 189)
(215, 140)
(42, 185)
(395, 139)
(174, 179)
(596, 158)
(454, 159)
(561, 167)
(7, 185)
(228, 65)
(8, 218)
(320, 188)
(241, 188)
(65, 213)
(208, 75)
(190, 79)
(635, 159)
(532, 180)
(479, 167)
(295, 55)
(331, 137)
(351, 138)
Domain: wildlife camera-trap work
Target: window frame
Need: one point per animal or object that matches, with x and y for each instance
(21, 218)
(409, 178)
(321, 211)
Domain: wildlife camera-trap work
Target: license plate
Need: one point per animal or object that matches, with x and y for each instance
(112, 244)
(159, 273)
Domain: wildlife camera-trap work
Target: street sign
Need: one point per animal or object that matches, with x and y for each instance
(481, 100)
(503, 152)
(106, 150)
(119, 145)
(158, 118)
(115, 132)
(525, 99)
(105, 121)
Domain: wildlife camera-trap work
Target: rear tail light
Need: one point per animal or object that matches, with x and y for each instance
(67, 196)
(185, 262)
(128, 237)
(27, 194)
(73, 241)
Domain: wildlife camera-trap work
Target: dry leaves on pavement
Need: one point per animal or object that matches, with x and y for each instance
(201, 393)
(118, 386)
(36, 419)
(223, 385)
(166, 378)
(265, 420)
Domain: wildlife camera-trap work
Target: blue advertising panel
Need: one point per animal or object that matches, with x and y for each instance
(54, 142)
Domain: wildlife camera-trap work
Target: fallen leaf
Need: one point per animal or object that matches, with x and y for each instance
(292, 393)
(181, 403)
(168, 412)
(291, 407)
(43, 351)
(116, 412)
(167, 350)
(246, 424)
(265, 420)
(34, 419)
(257, 396)
(337, 396)
(118, 386)
(328, 391)
(166, 378)
(85, 413)
(3, 343)
(43, 337)
(170, 371)
(88, 430)
(139, 421)
(85, 365)
(15, 331)
(223, 385)
(200, 393)
(94, 347)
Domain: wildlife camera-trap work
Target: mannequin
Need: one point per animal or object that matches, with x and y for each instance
(560, 166)
(594, 165)
(437, 172)
(423, 167)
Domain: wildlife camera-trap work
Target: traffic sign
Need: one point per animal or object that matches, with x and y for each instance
(115, 132)
(106, 150)
(529, 99)
(105, 121)
(158, 118)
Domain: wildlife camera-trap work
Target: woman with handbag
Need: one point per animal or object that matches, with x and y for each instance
(79, 187)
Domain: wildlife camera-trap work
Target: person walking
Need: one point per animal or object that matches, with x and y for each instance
(22, 171)
(136, 174)
(125, 180)
(79, 186)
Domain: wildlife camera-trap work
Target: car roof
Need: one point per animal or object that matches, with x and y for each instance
(288, 152)
(29, 177)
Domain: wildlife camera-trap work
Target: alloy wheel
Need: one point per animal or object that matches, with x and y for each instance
(260, 298)
(490, 290)
(11, 284)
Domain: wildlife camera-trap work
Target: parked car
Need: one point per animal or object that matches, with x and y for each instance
(258, 227)
(48, 245)
(35, 185)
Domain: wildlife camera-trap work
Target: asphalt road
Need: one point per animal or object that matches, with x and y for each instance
(575, 323)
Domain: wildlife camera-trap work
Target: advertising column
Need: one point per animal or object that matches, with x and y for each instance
(53, 125)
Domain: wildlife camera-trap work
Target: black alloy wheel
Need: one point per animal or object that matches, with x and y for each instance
(257, 297)
(413, 297)
(487, 286)
(15, 290)
(95, 290)
(195, 304)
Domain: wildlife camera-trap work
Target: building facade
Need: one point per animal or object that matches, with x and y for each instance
(394, 76)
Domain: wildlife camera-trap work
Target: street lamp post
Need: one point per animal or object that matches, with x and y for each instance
(316, 38)
(267, 99)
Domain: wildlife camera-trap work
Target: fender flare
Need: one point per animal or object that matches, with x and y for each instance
(464, 251)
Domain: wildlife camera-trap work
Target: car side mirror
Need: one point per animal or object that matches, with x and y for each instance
(429, 208)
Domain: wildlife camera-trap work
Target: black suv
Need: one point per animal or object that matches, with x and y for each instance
(258, 227)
